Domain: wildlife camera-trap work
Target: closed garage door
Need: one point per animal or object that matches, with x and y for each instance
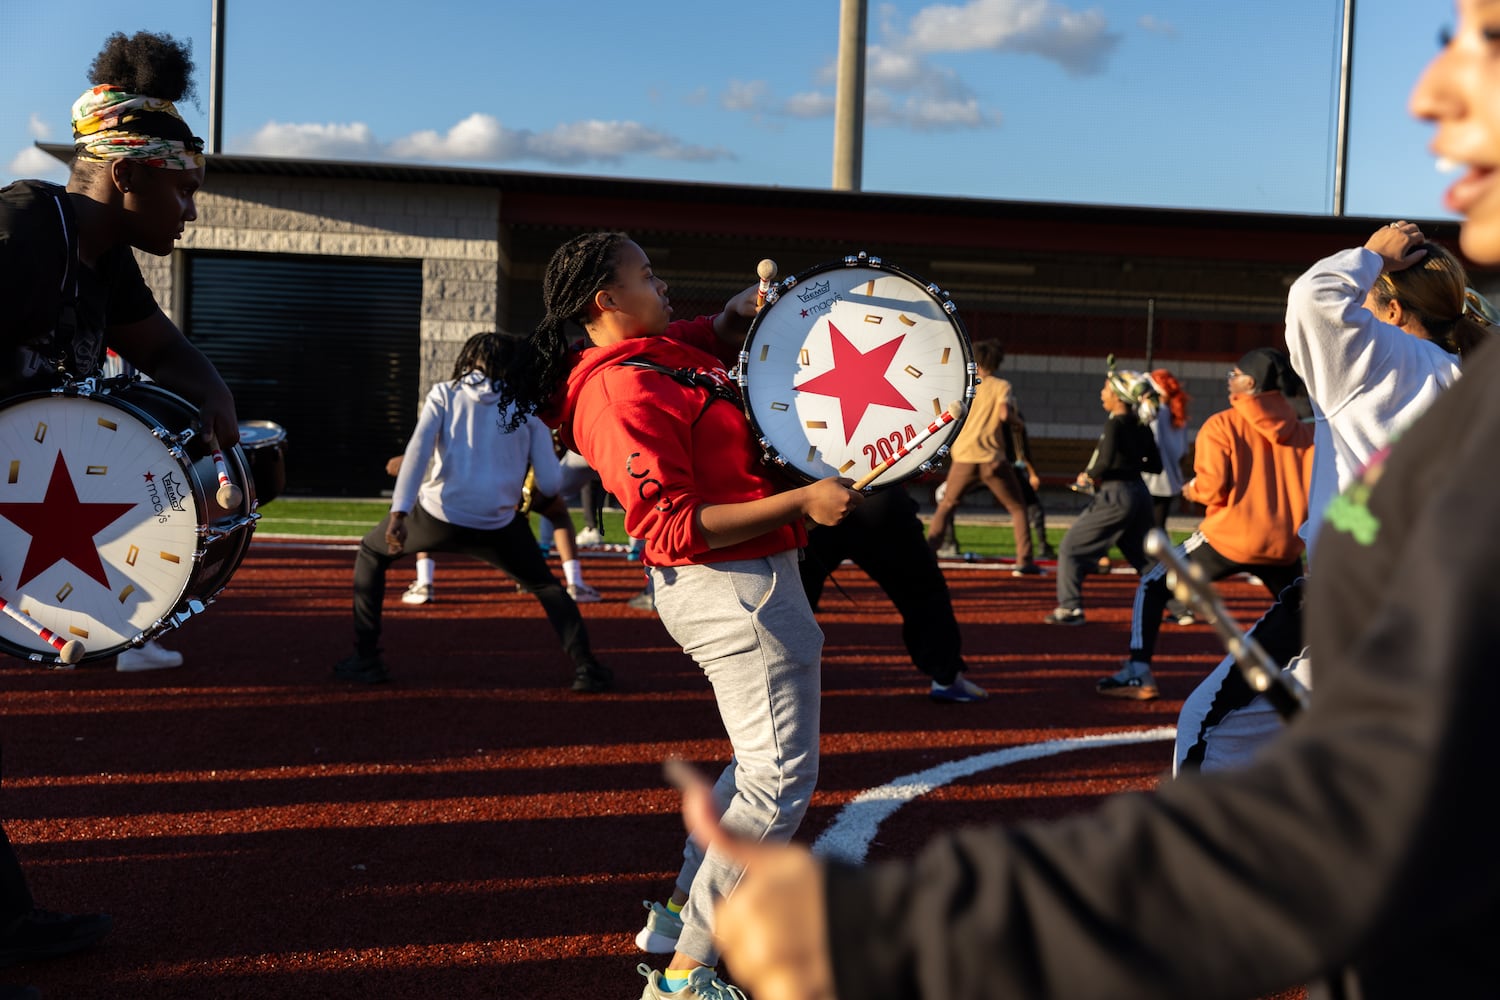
(329, 348)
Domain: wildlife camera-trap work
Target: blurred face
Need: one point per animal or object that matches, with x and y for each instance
(1459, 92)
(1240, 384)
(158, 205)
(1110, 399)
(637, 294)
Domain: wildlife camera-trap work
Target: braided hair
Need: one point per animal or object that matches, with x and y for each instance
(578, 269)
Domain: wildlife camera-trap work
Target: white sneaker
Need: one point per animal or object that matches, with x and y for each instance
(582, 593)
(151, 656)
(663, 928)
(589, 536)
(417, 593)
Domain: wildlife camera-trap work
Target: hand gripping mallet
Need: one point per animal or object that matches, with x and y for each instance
(767, 271)
(955, 409)
(69, 651)
(229, 495)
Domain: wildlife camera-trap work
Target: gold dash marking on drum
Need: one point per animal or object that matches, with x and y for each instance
(913, 371)
(937, 408)
(847, 465)
(875, 318)
(907, 320)
(171, 558)
(108, 424)
(816, 425)
(803, 358)
(132, 554)
(62, 595)
(41, 433)
(82, 633)
(812, 454)
(870, 287)
(96, 470)
(946, 351)
(765, 350)
(781, 406)
(129, 589)
(15, 471)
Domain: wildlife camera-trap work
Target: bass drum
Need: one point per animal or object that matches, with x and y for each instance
(110, 528)
(849, 361)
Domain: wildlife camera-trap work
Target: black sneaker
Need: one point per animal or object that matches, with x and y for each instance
(593, 678)
(1026, 569)
(43, 934)
(364, 668)
(1065, 616)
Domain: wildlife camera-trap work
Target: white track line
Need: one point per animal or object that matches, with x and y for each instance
(849, 837)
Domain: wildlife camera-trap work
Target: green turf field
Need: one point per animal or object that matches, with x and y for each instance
(337, 518)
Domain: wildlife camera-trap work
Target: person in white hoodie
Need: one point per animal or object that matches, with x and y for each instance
(466, 503)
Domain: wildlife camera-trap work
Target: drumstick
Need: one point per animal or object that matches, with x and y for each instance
(229, 495)
(1189, 585)
(767, 271)
(953, 412)
(69, 651)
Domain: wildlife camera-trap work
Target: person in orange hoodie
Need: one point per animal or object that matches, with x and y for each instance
(1252, 465)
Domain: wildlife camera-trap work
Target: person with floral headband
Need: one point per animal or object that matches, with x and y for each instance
(71, 290)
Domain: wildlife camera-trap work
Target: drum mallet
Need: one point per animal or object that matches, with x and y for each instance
(69, 651)
(229, 495)
(955, 409)
(767, 271)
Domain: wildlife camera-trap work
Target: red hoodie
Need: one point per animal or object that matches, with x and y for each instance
(665, 449)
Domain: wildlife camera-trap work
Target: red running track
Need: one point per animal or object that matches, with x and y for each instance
(473, 829)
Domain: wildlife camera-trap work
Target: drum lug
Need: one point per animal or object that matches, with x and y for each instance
(213, 532)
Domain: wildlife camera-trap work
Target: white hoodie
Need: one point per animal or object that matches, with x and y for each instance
(478, 467)
(1367, 380)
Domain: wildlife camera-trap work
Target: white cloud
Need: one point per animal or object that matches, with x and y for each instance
(1078, 41)
(32, 162)
(1157, 26)
(37, 128)
(479, 138)
(744, 95)
(809, 104)
(352, 141)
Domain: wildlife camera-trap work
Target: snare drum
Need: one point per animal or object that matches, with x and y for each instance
(849, 361)
(264, 444)
(110, 529)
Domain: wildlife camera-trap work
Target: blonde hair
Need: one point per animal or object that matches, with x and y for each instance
(1435, 289)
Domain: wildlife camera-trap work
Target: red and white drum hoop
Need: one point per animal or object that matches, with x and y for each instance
(848, 362)
(110, 531)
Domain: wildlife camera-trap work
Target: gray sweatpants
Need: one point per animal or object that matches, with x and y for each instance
(748, 625)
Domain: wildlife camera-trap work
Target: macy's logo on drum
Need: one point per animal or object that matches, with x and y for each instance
(169, 495)
(814, 292)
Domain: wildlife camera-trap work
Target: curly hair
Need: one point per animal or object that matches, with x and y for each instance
(579, 268)
(156, 65)
(492, 352)
(1172, 395)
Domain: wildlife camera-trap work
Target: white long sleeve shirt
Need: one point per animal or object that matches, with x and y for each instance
(477, 467)
(1367, 380)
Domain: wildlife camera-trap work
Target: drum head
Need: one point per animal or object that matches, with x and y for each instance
(260, 434)
(851, 361)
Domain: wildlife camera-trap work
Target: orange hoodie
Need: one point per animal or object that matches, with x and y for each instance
(1252, 466)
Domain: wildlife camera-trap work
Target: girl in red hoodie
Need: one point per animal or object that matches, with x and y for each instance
(650, 406)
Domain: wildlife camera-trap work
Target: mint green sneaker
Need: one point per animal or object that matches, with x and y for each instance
(703, 984)
(663, 928)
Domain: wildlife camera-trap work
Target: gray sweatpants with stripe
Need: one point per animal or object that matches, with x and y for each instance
(747, 624)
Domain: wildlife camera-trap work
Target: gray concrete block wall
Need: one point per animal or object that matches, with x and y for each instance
(453, 230)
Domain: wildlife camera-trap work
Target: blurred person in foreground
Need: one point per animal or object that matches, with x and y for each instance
(1353, 851)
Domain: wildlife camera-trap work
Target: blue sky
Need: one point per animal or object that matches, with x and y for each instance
(1171, 103)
